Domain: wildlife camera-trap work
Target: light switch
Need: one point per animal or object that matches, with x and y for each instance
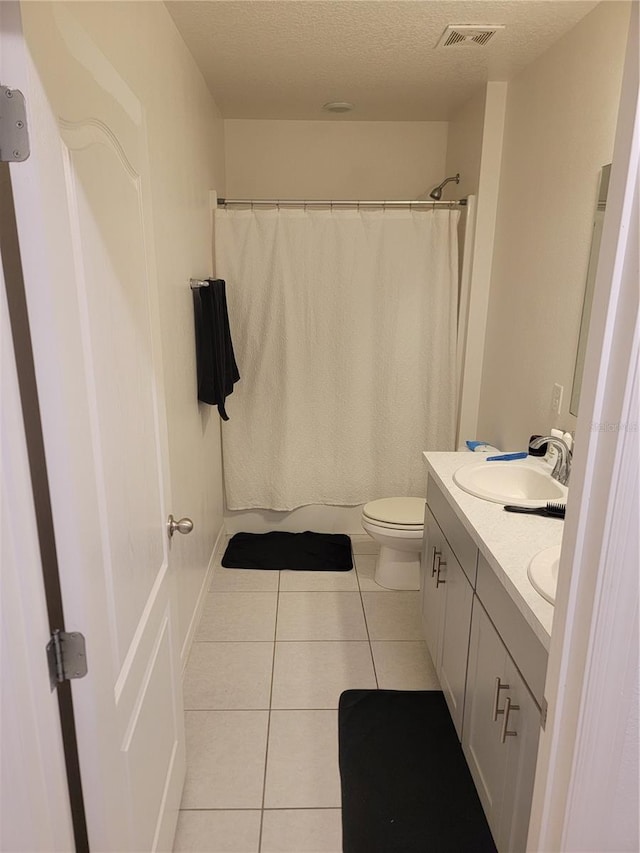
(556, 399)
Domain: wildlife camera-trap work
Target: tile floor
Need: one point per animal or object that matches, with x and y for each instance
(272, 654)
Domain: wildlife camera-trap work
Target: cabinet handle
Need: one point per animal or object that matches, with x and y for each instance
(438, 578)
(508, 708)
(499, 686)
(436, 555)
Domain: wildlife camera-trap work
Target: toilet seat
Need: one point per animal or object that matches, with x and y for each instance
(396, 513)
(401, 528)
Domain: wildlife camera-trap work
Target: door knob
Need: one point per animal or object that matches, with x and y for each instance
(184, 525)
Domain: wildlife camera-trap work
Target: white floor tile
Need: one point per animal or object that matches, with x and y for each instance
(244, 580)
(320, 616)
(404, 666)
(362, 543)
(225, 759)
(318, 581)
(218, 832)
(228, 676)
(394, 616)
(302, 764)
(322, 650)
(313, 675)
(365, 569)
(302, 831)
(238, 616)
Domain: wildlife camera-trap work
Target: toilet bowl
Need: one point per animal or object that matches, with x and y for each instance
(397, 524)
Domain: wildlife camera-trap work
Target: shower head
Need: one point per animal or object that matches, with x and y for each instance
(436, 194)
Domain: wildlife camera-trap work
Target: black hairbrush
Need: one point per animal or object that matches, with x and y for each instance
(552, 510)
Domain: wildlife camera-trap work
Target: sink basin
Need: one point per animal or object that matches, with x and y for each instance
(521, 483)
(543, 572)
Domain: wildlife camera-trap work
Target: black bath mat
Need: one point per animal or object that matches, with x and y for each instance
(315, 552)
(406, 787)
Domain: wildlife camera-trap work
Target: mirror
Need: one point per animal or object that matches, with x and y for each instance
(596, 236)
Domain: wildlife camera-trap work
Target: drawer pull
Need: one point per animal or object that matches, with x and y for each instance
(508, 708)
(439, 580)
(436, 556)
(496, 699)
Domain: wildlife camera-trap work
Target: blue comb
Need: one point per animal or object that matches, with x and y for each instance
(507, 457)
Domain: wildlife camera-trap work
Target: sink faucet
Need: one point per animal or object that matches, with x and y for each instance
(562, 468)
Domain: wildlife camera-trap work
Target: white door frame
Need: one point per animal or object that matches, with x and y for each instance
(35, 813)
(586, 793)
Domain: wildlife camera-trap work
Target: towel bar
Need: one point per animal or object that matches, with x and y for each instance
(196, 283)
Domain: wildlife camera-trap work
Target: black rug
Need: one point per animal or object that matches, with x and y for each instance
(406, 787)
(315, 552)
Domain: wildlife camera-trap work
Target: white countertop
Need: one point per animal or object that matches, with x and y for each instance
(508, 541)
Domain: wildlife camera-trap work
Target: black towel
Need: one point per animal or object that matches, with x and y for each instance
(217, 368)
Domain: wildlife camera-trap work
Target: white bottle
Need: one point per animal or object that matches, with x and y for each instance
(552, 453)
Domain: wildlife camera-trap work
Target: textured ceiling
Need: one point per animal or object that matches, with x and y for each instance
(283, 59)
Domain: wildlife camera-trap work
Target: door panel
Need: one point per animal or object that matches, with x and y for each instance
(454, 640)
(521, 766)
(481, 734)
(108, 239)
(151, 755)
(431, 597)
(85, 227)
(502, 771)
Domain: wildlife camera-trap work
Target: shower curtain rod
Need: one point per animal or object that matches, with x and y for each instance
(223, 202)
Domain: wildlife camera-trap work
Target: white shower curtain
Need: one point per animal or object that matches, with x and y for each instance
(344, 329)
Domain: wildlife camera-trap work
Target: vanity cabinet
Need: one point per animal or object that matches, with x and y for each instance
(491, 668)
(447, 596)
(500, 734)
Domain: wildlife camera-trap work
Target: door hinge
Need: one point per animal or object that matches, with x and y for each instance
(543, 713)
(14, 136)
(67, 657)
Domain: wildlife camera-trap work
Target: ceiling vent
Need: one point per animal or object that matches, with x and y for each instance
(480, 34)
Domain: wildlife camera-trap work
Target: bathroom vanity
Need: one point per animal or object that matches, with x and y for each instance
(488, 632)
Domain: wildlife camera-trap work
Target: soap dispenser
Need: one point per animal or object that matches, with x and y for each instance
(568, 440)
(552, 453)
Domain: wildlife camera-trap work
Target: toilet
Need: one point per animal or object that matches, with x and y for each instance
(397, 524)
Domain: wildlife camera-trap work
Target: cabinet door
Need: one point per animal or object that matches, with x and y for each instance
(455, 622)
(431, 596)
(500, 735)
(486, 757)
(522, 756)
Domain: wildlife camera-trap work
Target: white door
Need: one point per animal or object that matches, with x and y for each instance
(84, 221)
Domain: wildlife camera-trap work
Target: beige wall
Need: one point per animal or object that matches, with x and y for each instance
(186, 148)
(478, 254)
(464, 146)
(333, 159)
(559, 132)
(464, 153)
